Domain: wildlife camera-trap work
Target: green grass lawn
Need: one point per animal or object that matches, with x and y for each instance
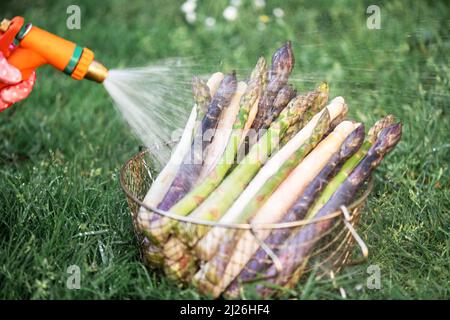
(61, 150)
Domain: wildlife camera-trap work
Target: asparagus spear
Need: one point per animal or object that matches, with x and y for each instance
(303, 240)
(282, 65)
(153, 255)
(189, 170)
(281, 200)
(202, 96)
(260, 260)
(159, 231)
(342, 116)
(225, 194)
(319, 98)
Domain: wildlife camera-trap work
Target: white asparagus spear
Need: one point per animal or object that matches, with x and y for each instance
(223, 132)
(282, 199)
(208, 245)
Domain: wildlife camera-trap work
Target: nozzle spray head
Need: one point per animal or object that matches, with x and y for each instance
(85, 67)
(96, 72)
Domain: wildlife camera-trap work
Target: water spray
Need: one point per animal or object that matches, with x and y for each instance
(35, 47)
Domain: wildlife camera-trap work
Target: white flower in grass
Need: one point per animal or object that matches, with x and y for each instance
(278, 12)
(189, 6)
(191, 17)
(210, 22)
(230, 13)
(259, 3)
(236, 3)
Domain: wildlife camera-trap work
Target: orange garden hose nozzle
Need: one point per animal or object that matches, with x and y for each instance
(35, 47)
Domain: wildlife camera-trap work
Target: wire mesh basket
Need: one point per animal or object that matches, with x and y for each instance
(224, 259)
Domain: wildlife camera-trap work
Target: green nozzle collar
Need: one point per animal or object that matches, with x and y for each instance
(22, 33)
(74, 60)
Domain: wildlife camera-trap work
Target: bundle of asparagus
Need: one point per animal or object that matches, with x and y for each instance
(304, 161)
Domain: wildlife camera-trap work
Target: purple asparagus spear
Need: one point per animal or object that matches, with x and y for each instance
(282, 65)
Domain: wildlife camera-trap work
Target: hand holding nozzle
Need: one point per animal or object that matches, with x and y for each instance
(34, 47)
(24, 47)
(16, 89)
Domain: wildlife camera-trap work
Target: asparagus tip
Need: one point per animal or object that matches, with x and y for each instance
(283, 58)
(393, 133)
(379, 126)
(261, 67)
(323, 87)
(338, 99)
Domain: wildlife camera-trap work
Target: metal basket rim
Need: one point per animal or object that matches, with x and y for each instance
(246, 226)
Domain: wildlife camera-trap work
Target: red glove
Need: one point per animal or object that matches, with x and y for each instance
(17, 89)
